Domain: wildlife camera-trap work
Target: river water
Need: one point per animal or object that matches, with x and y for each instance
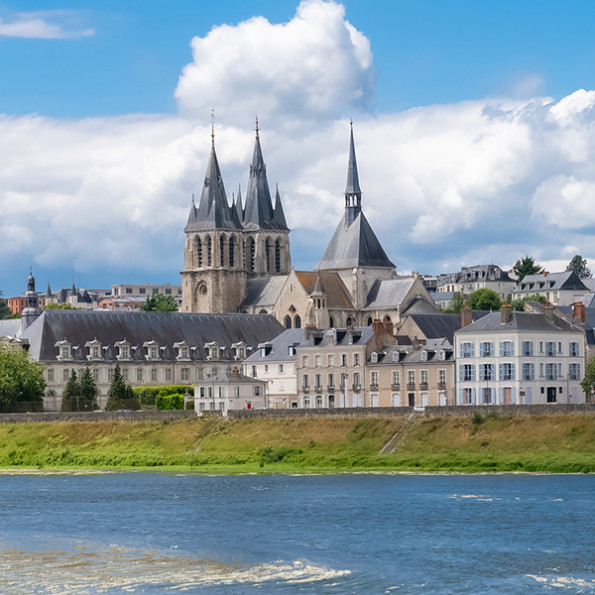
(159, 533)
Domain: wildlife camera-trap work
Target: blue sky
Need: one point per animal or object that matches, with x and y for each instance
(473, 133)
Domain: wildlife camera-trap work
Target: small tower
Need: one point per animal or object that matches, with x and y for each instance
(214, 277)
(266, 231)
(319, 306)
(31, 311)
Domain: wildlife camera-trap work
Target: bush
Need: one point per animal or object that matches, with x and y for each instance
(147, 395)
(477, 419)
(175, 401)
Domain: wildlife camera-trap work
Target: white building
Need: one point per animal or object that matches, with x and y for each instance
(520, 358)
(561, 289)
(470, 279)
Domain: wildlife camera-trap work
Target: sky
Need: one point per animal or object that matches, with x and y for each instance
(474, 126)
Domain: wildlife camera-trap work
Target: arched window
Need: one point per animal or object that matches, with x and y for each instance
(349, 321)
(387, 318)
(331, 322)
(297, 321)
(232, 255)
(277, 257)
(198, 252)
(222, 251)
(287, 321)
(267, 252)
(369, 321)
(209, 253)
(250, 254)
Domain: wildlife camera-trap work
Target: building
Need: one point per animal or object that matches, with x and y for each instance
(516, 358)
(237, 259)
(560, 289)
(470, 279)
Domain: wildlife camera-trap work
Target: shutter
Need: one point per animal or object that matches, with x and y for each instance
(481, 350)
(481, 372)
(512, 372)
(513, 395)
(501, 349)
(500, 370)
(460, 396)
(473, 374)
(473, 396)
(461, 373)
(500, 396)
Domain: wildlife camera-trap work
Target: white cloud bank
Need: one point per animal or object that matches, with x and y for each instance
(50, 24)
(467, 183)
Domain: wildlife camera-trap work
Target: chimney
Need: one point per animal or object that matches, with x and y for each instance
(578, 310)
(417, 343)
(466, 316)
(377, 327)
(308, 330)
(505, 313)
(549, 311)
(389, 327)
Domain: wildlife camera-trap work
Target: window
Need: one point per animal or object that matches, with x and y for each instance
(411, 377)
(153, 374)
(139, 374)
(95, 374)
(167, 374)
(356, 359)
(550, 348)
(574, 372)
(395, 356)
(319, 401)
(540, 346)
(331, 361)
(202, 392)
(528, 371)
(318, 361)
(305, 382)
(129, 290)
(184, 352)
(467, 349)
(374, 358)
(65, 352)
(343, 359)
(441, 378)
(551, 371)
(253, 371)
(507, 372)
(487, 372)
(527, 348)
(424, 378)
(467, 373)
(281, 368)
(506, 349)
(266, 368)
(124, 352)
(304, 361)
(331, 381)
(153, 352)
(467, 396)
(574, 349)
(374, 378)
(110, 374)
(541, 371)
(65, 374)
(486, 396)
(167, 291)
(486, 349)
(395, 378)
(50, 375)
(125, 373)
(95, 352)
(356, 381)
(559, 347)
(185, 374)
(141, 290)
(318, 382)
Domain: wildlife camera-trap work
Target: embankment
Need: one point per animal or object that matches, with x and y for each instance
(556, 443)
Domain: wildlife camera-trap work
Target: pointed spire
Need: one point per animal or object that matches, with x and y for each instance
(239, 208)
(30, 280)
(279, 215)
(318, 287)
(353, 193)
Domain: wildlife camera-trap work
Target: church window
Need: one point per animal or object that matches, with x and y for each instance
(287, 321)
(277, 257)
(369, 321)
(209, 253)
(232, 255)
(251, 254)
(222, 251)
(199, 252)
(267, 251)
(332, 322)
(297, 321)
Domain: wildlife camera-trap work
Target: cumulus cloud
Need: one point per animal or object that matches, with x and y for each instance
(313, 68)
(51, 24)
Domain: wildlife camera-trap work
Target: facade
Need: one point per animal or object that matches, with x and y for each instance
(560, 289)
(517, 358)
(237, 259)
(224, 389)
(470, 279)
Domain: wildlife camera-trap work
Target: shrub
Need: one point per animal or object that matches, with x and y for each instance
(477, 419)
(175, 401)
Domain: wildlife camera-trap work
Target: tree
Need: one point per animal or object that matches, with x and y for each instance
(526, 266)
(484, 299)
(5, 310)
(120, 394)
(80, 394)
(21, 381)
(578, 265)
(88, 390)
(519, 303)
(456, 305)
(54, 306)
(160, 303)
(588, 382)
(72, 392)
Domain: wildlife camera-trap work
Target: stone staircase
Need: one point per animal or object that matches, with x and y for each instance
(398, 438)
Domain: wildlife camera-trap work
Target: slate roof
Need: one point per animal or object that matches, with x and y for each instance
(519, 321)
(166, 328)
(389, 293)
(435, 326)
(263, 292)
(551, 281)
(319, 337)
(408, 355)
(279, 347)
(335, 291)
(10, 327)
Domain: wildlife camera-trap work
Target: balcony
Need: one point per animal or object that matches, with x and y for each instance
(356, 387)
(423, 386)
(331, 388)
(441, 385)
(373, 387)
(411, 386)
(318, 388)
(305, 389)
(395, 386)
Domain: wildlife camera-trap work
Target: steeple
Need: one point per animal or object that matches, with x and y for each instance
(48, 293)
(259, 212)
(238, 205)
(353, 193)
(213, 211)
(279, 215)
(31, 311)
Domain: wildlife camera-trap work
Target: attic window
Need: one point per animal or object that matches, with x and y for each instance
(374, 358)
(442, 355)
(395, 356)
(291, 350)
(349, 339)
(424, 355)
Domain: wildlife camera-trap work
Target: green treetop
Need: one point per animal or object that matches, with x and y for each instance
(578, 265)
(484, 299)
(526, 266)
(160, 303)
(21, 381)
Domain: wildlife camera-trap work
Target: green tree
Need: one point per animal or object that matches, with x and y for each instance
(456, 305)
(88, 390)
(5, 310)
(578, 265)
(519, 303)
(120, 394)
(54, 306)
(21, 381)
(526, 266)
(160, 303)
(484, 299)
(72, 393)
(80, 394)
(588, 382)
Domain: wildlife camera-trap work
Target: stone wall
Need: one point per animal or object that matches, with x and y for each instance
(336, 412)
(509, 410)
(95, 416)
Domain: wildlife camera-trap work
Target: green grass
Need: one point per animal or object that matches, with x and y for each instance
(549, 443)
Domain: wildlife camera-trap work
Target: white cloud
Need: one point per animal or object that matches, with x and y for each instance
(51, 24)
(312, 68)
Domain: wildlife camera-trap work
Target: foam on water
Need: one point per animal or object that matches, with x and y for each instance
(91, 569)
(569, 583)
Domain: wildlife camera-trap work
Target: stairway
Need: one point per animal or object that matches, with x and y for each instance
(398, 438)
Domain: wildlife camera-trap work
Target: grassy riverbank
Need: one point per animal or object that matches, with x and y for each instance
(551, 443)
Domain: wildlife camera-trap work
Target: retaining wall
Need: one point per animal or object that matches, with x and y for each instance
(95, 416)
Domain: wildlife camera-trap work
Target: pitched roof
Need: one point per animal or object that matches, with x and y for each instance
(336, 293)
(519, 321)
(279, 347)
(435, 326)
(547, 281)
(263, 292)
(389, 293)
(166, 328)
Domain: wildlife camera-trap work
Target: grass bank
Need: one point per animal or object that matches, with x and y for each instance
(551, 443)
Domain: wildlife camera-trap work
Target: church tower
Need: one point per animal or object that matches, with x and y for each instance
(266, 231)
(214, 276)
(354, 252)
(31, 311)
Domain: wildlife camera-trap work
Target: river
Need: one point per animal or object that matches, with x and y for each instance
(159, 533)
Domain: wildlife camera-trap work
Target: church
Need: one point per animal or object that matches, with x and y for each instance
(237, 259)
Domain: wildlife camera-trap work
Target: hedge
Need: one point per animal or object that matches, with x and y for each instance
(147, 394)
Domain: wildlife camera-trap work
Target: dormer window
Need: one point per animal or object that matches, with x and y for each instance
(374, 358)
(152, 348)
(240, 349)
(64, 350)
(424, 355)
(331, 336)
(123, 349)
(212, 350)
(291, 350)
(442, 355)
(183, 350)
(94, 350)
(395, 356)
(349, 339)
